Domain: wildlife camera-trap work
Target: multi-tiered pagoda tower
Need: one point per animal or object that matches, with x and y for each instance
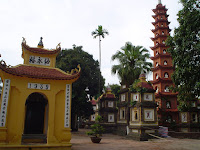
(163, 69)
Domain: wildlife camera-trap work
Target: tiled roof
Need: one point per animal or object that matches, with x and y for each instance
(145, 85)
(162, 80)
(166, 94)
(171, 110)
(39, 72)
(93, 102)
(40, 50)
(110, 96)
(106, 96)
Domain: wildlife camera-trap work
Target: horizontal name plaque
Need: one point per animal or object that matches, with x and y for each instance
(39, 86)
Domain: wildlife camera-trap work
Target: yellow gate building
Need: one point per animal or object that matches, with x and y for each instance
(35, 111)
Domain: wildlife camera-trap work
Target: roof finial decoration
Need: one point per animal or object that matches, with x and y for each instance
(24, 40)
(159, 2)
(40, 44)
(58, 46)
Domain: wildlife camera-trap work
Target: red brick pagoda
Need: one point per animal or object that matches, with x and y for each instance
(163, 69)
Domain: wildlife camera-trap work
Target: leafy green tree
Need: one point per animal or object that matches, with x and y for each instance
(185, 51)
(132, 61)
(69, 59)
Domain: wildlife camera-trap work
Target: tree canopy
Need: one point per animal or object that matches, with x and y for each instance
(69, 59)
(185, 51)
(99, 32)
(132, 61)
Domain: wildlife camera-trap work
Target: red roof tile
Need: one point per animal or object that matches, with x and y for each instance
(40, 50)
(145, 85)
(171, 110)
(110, 95)
(93, 102)
(39, 72)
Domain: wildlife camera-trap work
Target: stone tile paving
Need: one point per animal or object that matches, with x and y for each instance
(80, 141)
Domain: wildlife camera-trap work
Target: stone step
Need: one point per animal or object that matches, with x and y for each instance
(34, 138)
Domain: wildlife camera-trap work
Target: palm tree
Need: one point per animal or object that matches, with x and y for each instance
(132, 61)
(100, 32)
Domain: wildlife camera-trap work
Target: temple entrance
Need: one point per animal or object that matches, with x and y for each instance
(35, 126)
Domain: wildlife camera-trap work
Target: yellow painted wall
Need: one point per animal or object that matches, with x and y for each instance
(19, 92)
(27, 54)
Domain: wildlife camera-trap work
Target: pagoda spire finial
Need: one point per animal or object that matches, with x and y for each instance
(159, 2)
(40, 44)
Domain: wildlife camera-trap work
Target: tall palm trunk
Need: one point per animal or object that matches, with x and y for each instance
(99, 64)
(100, 52)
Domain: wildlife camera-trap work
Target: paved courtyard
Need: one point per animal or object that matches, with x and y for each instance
(80, 141)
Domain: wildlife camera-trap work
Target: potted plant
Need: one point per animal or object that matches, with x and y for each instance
(97, 130)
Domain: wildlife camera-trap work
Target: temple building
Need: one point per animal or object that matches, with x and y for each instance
(168, 113)
(36, 101)
(143, 113)
(106, 107)
(93, 116)
(123, 115)
(163, 69)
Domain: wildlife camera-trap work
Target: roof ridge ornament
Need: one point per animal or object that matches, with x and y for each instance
(58, 46)
(159, 2)
(24, 40)
(40, 44)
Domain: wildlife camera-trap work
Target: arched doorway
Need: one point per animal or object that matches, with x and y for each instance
(35, 117)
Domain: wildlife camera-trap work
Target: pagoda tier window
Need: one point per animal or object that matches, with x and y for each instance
(161, 25)
(193, 104)
(110, 117)
(163, 41)
(168, 105)
(166, 75)
(161, 17)
(164, 51)
(165, 63)
(157, 34)
(156, 64)
(102, 104)
(157, 26)
(169, 119)
(157, 76)
(156, 52)
(157, 43)
(158, 103)
(166, 89)
(122, 113)
(194, 117)
(110, 104)
(163, 33)
(156, 88)
(123, 97)
(123, 86)
(92, 117)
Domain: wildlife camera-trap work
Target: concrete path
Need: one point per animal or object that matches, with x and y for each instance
(80, 141)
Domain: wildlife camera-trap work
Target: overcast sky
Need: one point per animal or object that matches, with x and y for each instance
(72, 21)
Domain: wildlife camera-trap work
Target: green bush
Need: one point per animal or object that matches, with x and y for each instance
(97, 129)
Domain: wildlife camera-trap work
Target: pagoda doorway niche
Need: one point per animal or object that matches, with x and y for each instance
(36, 119)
